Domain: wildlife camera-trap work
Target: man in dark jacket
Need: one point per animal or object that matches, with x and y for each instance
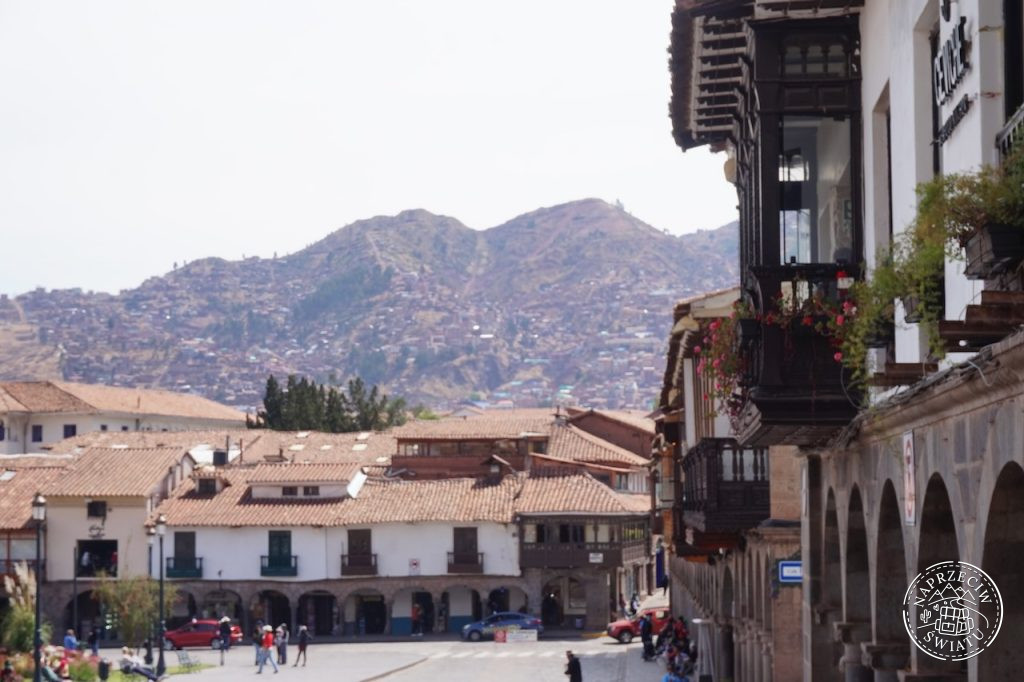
(646, 636)
(572, 668)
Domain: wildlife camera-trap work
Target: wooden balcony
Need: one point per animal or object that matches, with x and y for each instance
(796, 392)
(183, 567)
(997, 315)
(358, 564)
(283, 566)
(726, 486)
(581, 554)
(465, 562)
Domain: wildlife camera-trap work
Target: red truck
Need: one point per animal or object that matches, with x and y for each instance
(625, 629)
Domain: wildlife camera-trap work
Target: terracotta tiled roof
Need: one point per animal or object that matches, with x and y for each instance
(17, 488)
(635, 419)
(299, 473)
(115, 472)
(234, 506)
(571, 443)
(461, 500)
(257, 444)
(35, 460)
(577, 494)
(493, 424)
(62, 396)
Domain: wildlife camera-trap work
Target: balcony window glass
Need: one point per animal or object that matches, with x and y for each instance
(529, 533)
(603, 532)
(21, 550)
(816, 214)
(570, 532)
(542, 533)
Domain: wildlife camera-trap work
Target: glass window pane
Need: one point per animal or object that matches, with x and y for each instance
(815, 199)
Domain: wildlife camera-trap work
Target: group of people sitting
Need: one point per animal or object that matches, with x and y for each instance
(673, 642)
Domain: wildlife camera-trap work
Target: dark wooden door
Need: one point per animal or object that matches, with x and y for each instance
(359, 543)
(465, 542)
(279, 545)
(184, 545)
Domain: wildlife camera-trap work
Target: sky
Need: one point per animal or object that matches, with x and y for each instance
(135, 134)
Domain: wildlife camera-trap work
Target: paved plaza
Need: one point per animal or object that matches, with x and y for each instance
(403, 661)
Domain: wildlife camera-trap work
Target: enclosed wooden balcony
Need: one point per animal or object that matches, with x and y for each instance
(725, 486)
(796, 391)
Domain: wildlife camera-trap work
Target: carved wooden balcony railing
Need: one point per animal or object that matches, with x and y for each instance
(726, 486)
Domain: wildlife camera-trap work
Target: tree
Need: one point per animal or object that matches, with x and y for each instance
(18, 629)
(305, 405)
(135, 603)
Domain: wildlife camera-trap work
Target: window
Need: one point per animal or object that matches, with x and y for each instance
(1013, 57)
(279, 543)
(97, 557)
(290, 491)
(70, 430)
(542, 533)
(206, 486)
(3, 432)
(37, 433)
(570, 532)
(220, 458)
(184, 545)
(103, 427)
(124, 428)
(464, 541)
(311, 490)
(360, 542)
(97, 509)
(816, 213)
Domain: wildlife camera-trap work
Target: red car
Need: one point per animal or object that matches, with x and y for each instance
(199, 633)
(625, 629)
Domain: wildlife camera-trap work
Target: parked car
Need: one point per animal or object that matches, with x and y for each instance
(503, 620)
(199, 633)
(625, 629)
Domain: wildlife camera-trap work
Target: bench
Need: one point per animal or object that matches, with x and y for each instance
(187, 662)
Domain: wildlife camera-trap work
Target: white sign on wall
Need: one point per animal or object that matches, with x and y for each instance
(596, 557)
(909, 478)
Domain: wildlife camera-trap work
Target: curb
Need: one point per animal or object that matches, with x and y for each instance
(399, 669)
(593, 635)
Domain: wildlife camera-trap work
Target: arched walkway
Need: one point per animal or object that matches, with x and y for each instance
(272, 607)
(857, 625)
(220, 603)
(412, 612)
(504, 598)
(564, 600)
(318, 611)
(183, 609)
(1003, 560)
(90, 616)
(365, 613)
(460, 605)
(890, 583)
(831, 590)
(937, 543)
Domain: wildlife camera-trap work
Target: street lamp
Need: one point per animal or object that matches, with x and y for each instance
(39, 516)
(161, 529)
(150, 535)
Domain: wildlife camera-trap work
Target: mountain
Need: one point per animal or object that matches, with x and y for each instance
(568, 302)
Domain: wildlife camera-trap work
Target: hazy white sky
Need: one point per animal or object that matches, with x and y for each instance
(135, 134)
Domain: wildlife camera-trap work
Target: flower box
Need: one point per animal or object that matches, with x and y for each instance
(993, 250)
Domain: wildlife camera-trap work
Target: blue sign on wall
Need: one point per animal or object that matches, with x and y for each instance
(791, 571)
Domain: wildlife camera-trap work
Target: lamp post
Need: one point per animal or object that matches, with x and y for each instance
(161, 529)
(150, 534)
(39, 516)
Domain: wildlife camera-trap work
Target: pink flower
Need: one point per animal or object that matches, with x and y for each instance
(838, 357)
(847, 306)
(839, 320)
(696, 350)
(717, 363)
(715, 324)
(706, 397)
(807, 321)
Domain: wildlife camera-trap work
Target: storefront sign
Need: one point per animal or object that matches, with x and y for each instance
(950, 64)
(596, 557)
(959, 111)
(909, 480)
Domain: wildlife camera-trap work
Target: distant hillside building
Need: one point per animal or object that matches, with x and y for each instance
(36, 414)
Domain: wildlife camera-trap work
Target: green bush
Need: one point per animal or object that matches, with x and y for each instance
(82, 671)
(19, 628)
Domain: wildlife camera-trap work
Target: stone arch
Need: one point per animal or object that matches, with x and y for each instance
(273, 607)
(728, 598)
(1001, 559)
(766, 590)
(90, 615)
(831, 592)
(364, 612)
(460, 605)
(756, 586)
(183, 609)
(409, 605)
(858, 582)
(890, 571)
(505, 598)
(563, 599)
(220, 603)
(318, 610)
(937, 542)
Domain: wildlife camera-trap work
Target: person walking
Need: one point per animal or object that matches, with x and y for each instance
(665, 635)
(573, 668)
(94, 642)
(267, 650)
(304, 638)
(282, 644)
(70, 642)
(646, 636)
(257, 641)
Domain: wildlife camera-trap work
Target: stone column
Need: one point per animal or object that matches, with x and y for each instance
(766, 657)
(850, 635)
(885, 658)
